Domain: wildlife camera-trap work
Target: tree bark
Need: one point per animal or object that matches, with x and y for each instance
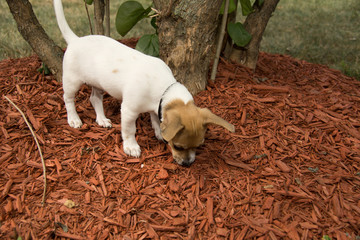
(255, 24)
(107, 18)
(31, 30)
(99, 11)
(187, 36)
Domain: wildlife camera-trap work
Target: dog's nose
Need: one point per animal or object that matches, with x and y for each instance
(186, 164)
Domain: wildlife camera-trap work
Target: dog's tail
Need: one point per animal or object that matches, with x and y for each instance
(66, 31)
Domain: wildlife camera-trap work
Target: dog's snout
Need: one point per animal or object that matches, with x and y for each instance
(184, 158)
(186, 163)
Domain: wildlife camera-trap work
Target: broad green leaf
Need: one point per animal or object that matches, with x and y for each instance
(232, 6)
(89, 2)
(246, 7)
(238, 34)
(260, 2)
(149, 44)
(128, 14)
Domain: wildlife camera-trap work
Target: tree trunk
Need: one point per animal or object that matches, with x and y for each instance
(255, 24)
(31, 30)
(187, 36)
(107, 18)
(99, 10)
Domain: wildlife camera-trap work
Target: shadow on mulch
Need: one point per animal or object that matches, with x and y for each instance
(291, 170)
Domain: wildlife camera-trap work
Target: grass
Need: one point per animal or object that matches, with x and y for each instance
(12, 45)
(318, 31)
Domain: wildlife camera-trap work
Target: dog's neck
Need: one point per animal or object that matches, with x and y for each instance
(174, 91)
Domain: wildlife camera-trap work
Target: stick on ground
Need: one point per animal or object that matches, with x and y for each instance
(37, 143)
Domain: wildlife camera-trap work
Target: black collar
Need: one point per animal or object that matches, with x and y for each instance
(161, 99)
(160, 110)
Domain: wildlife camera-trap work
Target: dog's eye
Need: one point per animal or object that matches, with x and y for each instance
(178, 148)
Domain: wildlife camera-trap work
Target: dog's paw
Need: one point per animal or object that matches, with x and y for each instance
(132, 149)
(74, 122)
(104, 122)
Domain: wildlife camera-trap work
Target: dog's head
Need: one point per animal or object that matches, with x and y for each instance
(184, 127)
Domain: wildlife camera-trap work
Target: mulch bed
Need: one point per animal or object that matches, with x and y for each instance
(291, 170)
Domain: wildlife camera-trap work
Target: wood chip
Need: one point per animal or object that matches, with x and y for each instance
(290, 170)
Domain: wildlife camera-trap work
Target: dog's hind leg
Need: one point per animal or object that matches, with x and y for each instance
(69, 98)
(96, 100)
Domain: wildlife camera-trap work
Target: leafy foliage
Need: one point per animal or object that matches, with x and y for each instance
(238, 34)
(232, 7)
(128, 15)
(149, 44)
(131, 12)
(44, 69)
(246, 7)
(89, 2)
(236, 31)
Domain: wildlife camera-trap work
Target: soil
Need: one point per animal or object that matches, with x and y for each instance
(290, 171)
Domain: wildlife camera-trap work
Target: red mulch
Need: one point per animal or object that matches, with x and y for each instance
(291, 170)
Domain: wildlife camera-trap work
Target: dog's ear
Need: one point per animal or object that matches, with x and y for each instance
(209, 117)
(171, 125)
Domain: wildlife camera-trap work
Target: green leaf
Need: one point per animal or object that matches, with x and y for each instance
(260, 2)
(232, 6)
(246, 7)
(89, 2)
(44, 69)
(153, 23)
(238, 34)
(63, 226)
(128, 14)
(149, 44)
(313, 170)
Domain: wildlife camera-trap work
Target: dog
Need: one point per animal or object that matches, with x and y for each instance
(143, 83)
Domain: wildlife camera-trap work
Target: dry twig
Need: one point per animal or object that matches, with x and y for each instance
(37, 143)
(220, 40)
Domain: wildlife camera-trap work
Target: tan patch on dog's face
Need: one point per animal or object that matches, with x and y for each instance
(184, 143)
(184, 128)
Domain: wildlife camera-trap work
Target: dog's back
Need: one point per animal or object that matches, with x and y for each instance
(105, 63)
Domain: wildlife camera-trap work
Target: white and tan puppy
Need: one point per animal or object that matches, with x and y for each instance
(144, 83)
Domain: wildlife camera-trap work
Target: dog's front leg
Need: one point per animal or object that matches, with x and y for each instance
(155, 122)
(128, 130)
(72, 116)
